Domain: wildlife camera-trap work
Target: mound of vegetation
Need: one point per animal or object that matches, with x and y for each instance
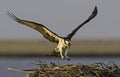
(73, 70)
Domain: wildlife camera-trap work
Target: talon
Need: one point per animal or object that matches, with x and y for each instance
(68, 58)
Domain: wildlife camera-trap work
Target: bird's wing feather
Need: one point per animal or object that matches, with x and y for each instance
(48, 34)
(94, 13)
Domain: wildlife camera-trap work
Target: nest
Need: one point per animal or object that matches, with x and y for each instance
(73, 70)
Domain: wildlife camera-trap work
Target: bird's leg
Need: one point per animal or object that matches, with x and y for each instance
(67, 55)
(61, 54)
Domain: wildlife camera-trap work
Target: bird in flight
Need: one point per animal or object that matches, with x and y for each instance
(63, 43)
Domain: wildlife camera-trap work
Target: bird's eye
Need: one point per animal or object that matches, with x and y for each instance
(69, 44)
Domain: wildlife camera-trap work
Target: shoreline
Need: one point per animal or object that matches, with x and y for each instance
(36, 47)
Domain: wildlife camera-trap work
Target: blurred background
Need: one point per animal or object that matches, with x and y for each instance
(100, 36)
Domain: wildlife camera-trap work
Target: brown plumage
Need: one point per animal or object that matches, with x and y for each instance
(64, 43)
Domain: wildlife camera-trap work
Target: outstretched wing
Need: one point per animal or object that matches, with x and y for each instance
(94, 13)
(48, 34)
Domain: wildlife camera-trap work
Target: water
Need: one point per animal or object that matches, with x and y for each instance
(29, 63)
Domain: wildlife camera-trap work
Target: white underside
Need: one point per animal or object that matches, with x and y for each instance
(62, 48)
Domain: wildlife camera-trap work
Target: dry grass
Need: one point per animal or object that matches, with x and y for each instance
(45, 47)
(72, 70)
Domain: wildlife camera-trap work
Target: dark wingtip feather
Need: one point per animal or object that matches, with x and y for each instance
(95, 10)
(12, 16)
(94, 13)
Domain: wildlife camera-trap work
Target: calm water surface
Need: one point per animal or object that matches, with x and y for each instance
(29, 63)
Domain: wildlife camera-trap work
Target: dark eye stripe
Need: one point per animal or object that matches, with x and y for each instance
(69, 44)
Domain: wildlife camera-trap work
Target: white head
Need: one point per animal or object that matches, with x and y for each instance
(68, 43)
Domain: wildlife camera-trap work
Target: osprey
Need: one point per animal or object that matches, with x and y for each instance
(63, 43)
